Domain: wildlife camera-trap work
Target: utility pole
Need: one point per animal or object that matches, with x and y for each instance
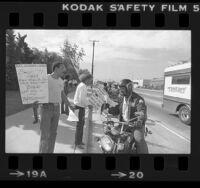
(93, 42)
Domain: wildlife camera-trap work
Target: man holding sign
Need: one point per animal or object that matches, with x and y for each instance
(50, 111)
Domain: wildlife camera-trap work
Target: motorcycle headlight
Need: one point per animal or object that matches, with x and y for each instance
(107, 143)
(120, 146)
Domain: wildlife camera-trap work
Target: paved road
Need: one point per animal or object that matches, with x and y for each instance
(154, 101)
(169, 135)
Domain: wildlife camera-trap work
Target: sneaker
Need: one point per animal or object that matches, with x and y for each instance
(35, 121)
(80, 147)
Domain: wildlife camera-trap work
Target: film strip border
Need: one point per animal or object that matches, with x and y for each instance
(111, 20)
(52, 15)
(96, 167)
(100, 167)
(110, 163)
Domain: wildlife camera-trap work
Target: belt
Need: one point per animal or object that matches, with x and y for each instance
(79, 107)
(54, 104)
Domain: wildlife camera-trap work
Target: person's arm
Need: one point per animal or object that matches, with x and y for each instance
(141, 111)
(76, 96)
(66, 101)
(66, 87)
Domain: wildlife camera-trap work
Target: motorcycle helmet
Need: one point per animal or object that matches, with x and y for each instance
(127, 84)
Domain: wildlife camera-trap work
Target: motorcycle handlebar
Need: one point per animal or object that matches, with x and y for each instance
(130, 124)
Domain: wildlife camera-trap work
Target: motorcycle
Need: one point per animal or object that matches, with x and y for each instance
(118, 137)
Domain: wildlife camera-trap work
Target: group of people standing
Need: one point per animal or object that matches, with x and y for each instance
(50, 112)
(130, 106)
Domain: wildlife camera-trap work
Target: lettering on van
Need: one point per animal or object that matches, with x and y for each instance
(177, 89)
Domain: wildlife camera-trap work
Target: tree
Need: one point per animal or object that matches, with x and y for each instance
(70, 70)
(17, 52)
(83, 71)
(72, 56)
(45, 57)
(23, 52)
(11, 59)
(73, 53)
(38, 56)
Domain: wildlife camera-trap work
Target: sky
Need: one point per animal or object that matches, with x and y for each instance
(119, 54)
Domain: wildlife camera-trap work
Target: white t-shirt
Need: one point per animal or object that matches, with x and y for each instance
(55, 88)
(80, 97)
(125, 109)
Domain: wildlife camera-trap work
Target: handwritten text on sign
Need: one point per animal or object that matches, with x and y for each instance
(33, 82)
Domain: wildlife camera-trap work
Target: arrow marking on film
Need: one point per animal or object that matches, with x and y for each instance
(17, 173)
(120, 175)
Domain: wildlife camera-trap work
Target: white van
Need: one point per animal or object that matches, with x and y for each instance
(177, 91)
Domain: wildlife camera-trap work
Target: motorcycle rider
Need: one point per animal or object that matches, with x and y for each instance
(133, 105)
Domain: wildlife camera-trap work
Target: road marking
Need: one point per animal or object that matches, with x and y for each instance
(173, 132)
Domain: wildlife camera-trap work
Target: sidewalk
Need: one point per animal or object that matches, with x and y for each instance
(23, 137)
(95, 130)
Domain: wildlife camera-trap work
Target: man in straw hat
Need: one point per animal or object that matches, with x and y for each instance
(81, 102)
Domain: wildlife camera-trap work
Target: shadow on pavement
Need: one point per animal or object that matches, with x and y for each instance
(23, 119)
(23, 137)
(66, 131)
(174, 115)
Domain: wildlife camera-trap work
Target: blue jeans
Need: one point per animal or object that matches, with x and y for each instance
(48, 126)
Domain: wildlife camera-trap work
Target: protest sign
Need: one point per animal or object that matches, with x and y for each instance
(99, 96)
(33, 82)
(103, 95)
(94, 101)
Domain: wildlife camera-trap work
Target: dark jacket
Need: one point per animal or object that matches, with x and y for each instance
(137, 104)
